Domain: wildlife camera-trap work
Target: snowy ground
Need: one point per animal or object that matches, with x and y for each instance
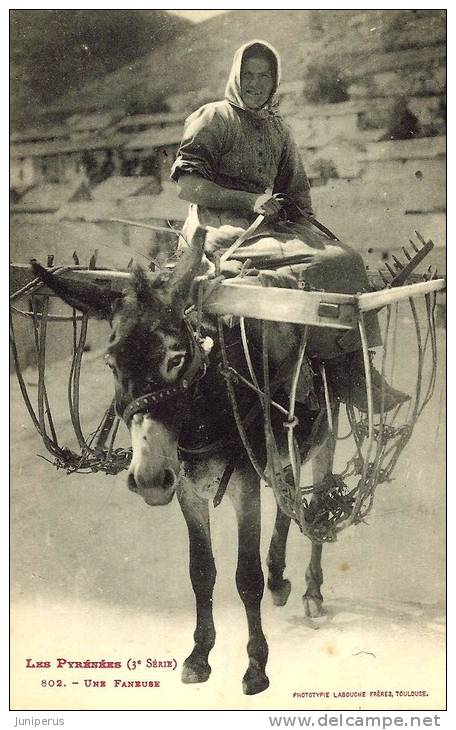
(97, 574)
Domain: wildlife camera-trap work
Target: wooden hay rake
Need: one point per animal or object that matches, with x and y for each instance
(322, 510)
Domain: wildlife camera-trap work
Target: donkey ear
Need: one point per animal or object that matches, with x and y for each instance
(92, 299)
(187, 267)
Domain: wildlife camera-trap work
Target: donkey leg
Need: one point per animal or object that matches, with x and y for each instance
(249, 578)
(313, 600)
(196, 667)
(279, 586)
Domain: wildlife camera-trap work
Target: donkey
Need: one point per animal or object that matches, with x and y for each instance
(183, 436)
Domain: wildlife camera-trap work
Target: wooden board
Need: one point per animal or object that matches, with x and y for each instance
(21, 274)
(247, 298)
(378, 299)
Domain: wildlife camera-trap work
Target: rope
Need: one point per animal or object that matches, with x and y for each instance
(237, 376)
(74, 384)
(245, 346)
(327, 400)
(291, 422)
(430, 310)
(43, 402)
(20, 379)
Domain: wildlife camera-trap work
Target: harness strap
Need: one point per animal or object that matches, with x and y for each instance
(106, 427)
(213, 446)
(74, 381)
(152, 399)
(225, 480)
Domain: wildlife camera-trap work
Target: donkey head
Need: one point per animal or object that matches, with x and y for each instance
(147, 351)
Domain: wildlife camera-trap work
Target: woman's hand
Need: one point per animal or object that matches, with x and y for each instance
(268, 205)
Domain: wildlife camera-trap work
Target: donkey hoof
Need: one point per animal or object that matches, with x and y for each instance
(280, 595)
(195, 670)
(254, 681)
(313, 606)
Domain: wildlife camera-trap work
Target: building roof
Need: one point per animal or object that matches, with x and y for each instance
(162, 207)
(40, 235)
(47, 197)
(156, 137)
(92, 122)
(342, 153)
(291, 87)
(117, 188)
(405, 149)
(365, 136)
(152, 120)
(90, 211)
(48, 149)
(40, 134)
(34, 149)
(343, 108)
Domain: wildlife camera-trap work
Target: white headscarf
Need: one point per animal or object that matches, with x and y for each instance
(233, 86)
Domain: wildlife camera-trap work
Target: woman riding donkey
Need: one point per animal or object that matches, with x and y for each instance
(238, 160)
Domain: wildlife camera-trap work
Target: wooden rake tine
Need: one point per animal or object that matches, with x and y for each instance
(420, 238)
(406, 253)
(390, 269)
(398, 264)
(431, 273)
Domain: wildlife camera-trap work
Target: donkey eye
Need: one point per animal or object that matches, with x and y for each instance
(174, 362)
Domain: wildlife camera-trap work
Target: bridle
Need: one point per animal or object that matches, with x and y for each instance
(195, 371)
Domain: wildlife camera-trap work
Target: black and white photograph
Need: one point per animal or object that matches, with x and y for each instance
(228, 361)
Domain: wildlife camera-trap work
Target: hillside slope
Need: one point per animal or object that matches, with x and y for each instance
(57, 51)
(200, 58)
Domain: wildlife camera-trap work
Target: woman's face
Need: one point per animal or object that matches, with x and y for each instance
(257, 82)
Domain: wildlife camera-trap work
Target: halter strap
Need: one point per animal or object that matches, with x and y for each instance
(145, 402)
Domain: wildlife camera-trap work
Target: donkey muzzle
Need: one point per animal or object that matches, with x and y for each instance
(159, 493)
